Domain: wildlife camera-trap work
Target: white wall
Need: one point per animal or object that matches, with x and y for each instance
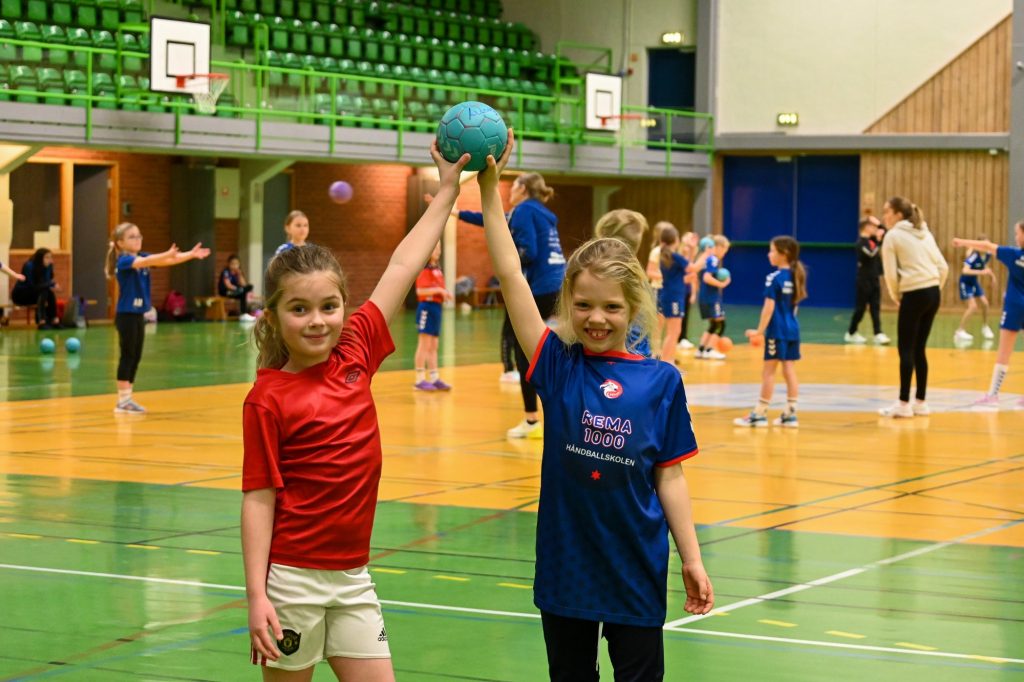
(841, 64)
(628, 27)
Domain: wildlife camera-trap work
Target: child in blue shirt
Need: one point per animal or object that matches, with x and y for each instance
(1012, 320)
(296, 228)
(710, 299)
(975, 265)
(780, 331)
(616, 429)
(130, 265)
(673, 294)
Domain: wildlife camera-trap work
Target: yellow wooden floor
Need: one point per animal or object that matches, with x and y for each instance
(841, 472)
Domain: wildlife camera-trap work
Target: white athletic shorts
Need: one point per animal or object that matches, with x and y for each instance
(324, 614)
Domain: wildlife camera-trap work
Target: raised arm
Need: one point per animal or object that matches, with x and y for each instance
(674, 495)
(413, 251)
(522, 309)
(983, 245)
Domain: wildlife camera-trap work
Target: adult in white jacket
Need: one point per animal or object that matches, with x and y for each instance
(915, 272)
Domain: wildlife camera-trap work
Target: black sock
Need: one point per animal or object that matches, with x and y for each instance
(532, 421)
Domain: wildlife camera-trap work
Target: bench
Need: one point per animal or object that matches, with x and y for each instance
(31, 309)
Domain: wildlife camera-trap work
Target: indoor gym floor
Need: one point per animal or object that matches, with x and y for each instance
(852, 548)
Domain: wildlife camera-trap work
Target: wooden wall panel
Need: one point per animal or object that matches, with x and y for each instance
(962, 194)
(971, 94)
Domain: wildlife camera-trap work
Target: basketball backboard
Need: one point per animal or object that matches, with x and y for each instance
(178, 48)
(604, 100)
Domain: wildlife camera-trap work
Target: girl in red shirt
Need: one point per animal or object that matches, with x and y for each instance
(313, 457)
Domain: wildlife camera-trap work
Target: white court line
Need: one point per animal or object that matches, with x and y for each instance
(844, 574)
(534, 616)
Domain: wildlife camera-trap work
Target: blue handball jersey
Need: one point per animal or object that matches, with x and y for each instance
(779, 287)
(673, 279)
(707, 293)
(1013, 258)
(602, 537)
(975, 261)
(133, 285)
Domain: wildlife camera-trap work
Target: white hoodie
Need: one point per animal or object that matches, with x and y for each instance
(912, 260)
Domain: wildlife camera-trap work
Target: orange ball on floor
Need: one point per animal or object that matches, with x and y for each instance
(724, 344)
(757, 341)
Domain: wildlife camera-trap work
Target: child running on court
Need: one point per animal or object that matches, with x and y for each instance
(296, 228)
(975, 266)
(612, 487)
(710, 299)
(130, 265)
(672, 295)
(1012, 320)
(780, 331)
(431, 293)
(312, 460)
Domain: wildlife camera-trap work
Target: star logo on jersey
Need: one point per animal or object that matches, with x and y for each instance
(611, 389)
(352, 377)
(595, 475)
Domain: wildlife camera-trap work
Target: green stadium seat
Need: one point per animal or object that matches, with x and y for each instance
(248, 6)
(468, 55)
(27, 30)
(371, 45)
(453, 27)
(79, 37)
(23, 77)
(339, 15)
(483, 59)
(353, 43)
(357, 13)
(323, 12)
(86, 14)
(55, 35)
(299, 36)
(223, 103)
(104, 39)
(239, 30)
(50, 81)
(290, 60)
(483, 30)
(131, 12)
(329, 64)
(273, 59)
(279, 38)
(381, 110)
(351, 87)
(110, 14)
(10, 9)
(37, 11)
(317, 38)
(75, 82)
(370, 89)
(415, 111)
(388, 47)
(452, 57)
(62, 13)
(335, 43)
(438, 58)
(129, 63)
(286, 8)
(390, 18)
(267, 7)
(420, 52)
(438, 27)
(128, 93)
(361, 107)
(384, 71)
(5, 96)
(405, 49)
(497, 56)
(8, 52)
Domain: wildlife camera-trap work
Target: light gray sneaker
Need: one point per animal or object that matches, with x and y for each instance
(129, 407)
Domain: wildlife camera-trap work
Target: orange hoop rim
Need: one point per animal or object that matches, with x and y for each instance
(183, 79)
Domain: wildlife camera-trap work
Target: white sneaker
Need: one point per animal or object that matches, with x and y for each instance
(699, 354)
(920, 408)
(897, 410)
(986, 332)
(712, 354)
(129, 407)
(509, 377)
(685, 344)
(882, 340)
(962, 336)
(854, 338)
(525, 429)
(246, 317)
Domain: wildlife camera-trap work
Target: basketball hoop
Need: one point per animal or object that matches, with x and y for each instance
(644, 121)
(204, 98)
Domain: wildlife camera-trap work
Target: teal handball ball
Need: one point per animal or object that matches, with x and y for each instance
(722, 274)
(473, 128)
(73, 345)
(706, 243)
(47, 346)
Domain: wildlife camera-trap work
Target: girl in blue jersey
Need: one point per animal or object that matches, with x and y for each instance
(1012, 320)
(615, 431)
(783, 291)
(130, 264)
(296, 228)
(975, 266)
(672, 295)
(710, 299)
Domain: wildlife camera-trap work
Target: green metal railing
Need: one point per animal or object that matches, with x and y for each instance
(251, 88)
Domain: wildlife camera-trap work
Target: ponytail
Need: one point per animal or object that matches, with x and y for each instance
(536, 187)
(790, 249)
(669, 239)
(110, 263)
(909, 210)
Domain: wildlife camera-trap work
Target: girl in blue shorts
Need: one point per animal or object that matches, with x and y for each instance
(1013, 307)
(783, 291)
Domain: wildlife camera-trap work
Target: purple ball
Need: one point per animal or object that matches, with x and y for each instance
(340, 192)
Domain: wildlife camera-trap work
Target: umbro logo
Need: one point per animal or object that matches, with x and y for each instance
(383, 636)
(352, 377)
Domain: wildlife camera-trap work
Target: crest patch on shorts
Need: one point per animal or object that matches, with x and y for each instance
(289, 644)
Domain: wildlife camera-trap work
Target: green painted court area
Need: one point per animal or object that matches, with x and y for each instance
(112, 581)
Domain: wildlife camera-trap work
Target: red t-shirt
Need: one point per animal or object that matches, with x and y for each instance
(313, 435)
(429, 278)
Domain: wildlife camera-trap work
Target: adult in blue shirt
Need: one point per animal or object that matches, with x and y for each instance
(38, 289)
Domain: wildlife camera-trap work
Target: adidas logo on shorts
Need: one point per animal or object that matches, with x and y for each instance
(383, 636)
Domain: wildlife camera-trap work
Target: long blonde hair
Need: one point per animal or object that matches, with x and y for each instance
(624, 224)
(110, 263)
(302, 260)
(609, 259)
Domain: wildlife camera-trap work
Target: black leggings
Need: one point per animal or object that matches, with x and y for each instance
(637, 653)
(686, 319)
(869, 294)
(42, 297)
(131, 331)
(241, 293)
(917, 312)
(508, 344)
(546, 306)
